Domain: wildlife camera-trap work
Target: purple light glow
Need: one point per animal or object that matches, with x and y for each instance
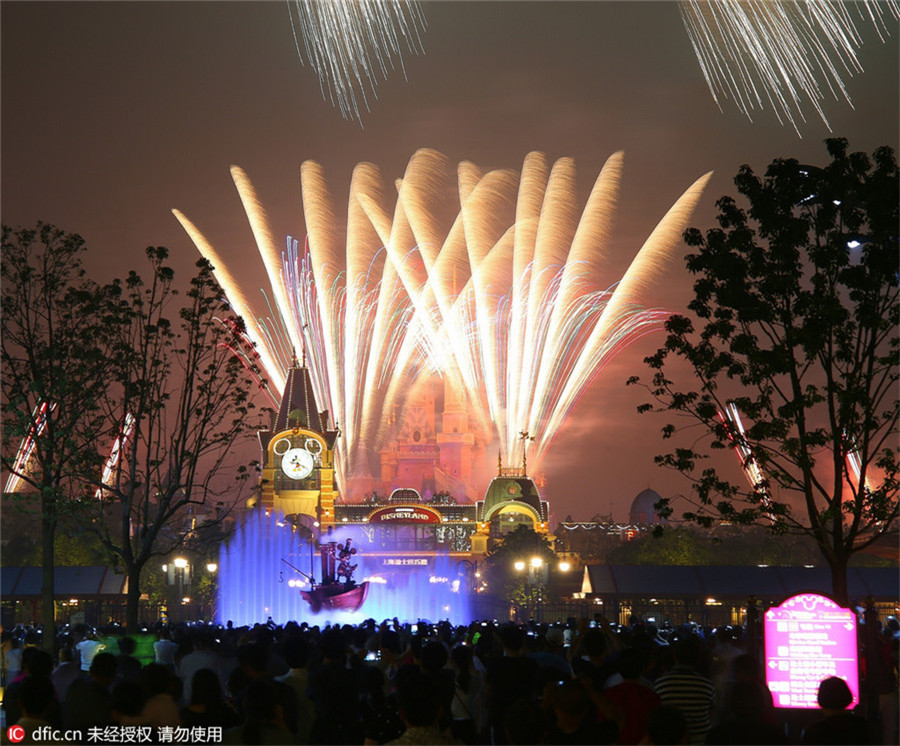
(809, 638)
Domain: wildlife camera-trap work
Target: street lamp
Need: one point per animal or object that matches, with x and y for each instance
(181, 565)
(211, 567)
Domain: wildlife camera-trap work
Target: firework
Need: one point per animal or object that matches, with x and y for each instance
(27, 446)
(786, 55)
(352, 43)
(112, 461)
(732, 418)
(506, 301)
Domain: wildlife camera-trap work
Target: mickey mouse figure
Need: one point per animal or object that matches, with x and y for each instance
(345, 569)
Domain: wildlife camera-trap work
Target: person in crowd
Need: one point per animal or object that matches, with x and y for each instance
(88, 646)
(162, 691)
(887, 662)
(551, 653)
(128, 668)
(35, 698)
(633, 697)
(207, 706)
(202, 656)
(164, 649)
(687, 689)
(524, 724)
(263, 721)
(510, 678)
(127, 703)
(296, 651)
(420, 700)
(840, 725)
(379, 711)
(591, 663)
(88, 700)
(36, 664)
(12, 657)
(746, 718)
(666, 726)
(333, 685)
(465, 708)
(575, 718)
(65, 673)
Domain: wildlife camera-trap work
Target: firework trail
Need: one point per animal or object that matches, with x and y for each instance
(506, 300)
(112, 461)
(352, 43)
(786, 55)
(26, 447)
(732, 419)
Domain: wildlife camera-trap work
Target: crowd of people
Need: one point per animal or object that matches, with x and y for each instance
(390, 683)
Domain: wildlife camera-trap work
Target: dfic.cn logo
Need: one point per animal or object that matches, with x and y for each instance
(15, 733)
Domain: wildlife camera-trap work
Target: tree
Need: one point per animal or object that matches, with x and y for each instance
(178, 403)
(796, 299)
(520, 586)
(54, 372)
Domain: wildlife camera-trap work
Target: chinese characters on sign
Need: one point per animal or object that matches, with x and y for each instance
(809, 638)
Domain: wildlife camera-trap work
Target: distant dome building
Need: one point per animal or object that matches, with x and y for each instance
(642, 508)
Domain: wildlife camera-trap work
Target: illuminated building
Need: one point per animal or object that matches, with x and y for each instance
(428, 509)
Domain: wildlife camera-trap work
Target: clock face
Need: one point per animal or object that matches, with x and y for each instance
(297, 463)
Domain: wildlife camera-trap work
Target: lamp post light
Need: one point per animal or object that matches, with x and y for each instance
(181, 565)
(534, 582)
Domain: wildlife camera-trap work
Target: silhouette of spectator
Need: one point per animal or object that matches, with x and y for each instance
(688, 690)
(127, 703)
(379, 712)
(263, 717)
(575, 719)
(524, 724)
(296, 650)
(128, 668)
(207, 706)
(88, 701)
(509, 679)
(745, 719)
(36, 663)
(464, 709)
(839, 726)
(35, 698)
(65, 673)
(333, 691)
(666, 726)
(420, 708)
(634, 699)
(164, 649)
(88, 647)
(162, 692)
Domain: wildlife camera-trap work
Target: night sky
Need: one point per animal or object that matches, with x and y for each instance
(115, 113)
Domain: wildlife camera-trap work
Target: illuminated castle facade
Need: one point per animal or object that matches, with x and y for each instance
(426, 500)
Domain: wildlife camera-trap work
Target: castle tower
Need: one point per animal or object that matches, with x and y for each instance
(298, 455)
(455, 442)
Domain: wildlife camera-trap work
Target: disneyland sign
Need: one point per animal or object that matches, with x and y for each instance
(404, 515)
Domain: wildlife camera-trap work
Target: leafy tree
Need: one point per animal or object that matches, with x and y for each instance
(520, 586)
(54, 372)
(678, 546)
(796, 299)
(179, 401)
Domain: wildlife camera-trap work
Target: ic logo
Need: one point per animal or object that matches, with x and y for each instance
(15, 733)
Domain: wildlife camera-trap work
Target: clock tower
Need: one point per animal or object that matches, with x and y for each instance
(298, 455)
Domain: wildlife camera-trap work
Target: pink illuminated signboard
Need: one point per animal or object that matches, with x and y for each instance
(809, 638)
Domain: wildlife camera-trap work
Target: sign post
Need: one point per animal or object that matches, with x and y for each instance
(807, 639)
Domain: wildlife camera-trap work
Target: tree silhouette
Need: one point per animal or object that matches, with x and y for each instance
(796, 302)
